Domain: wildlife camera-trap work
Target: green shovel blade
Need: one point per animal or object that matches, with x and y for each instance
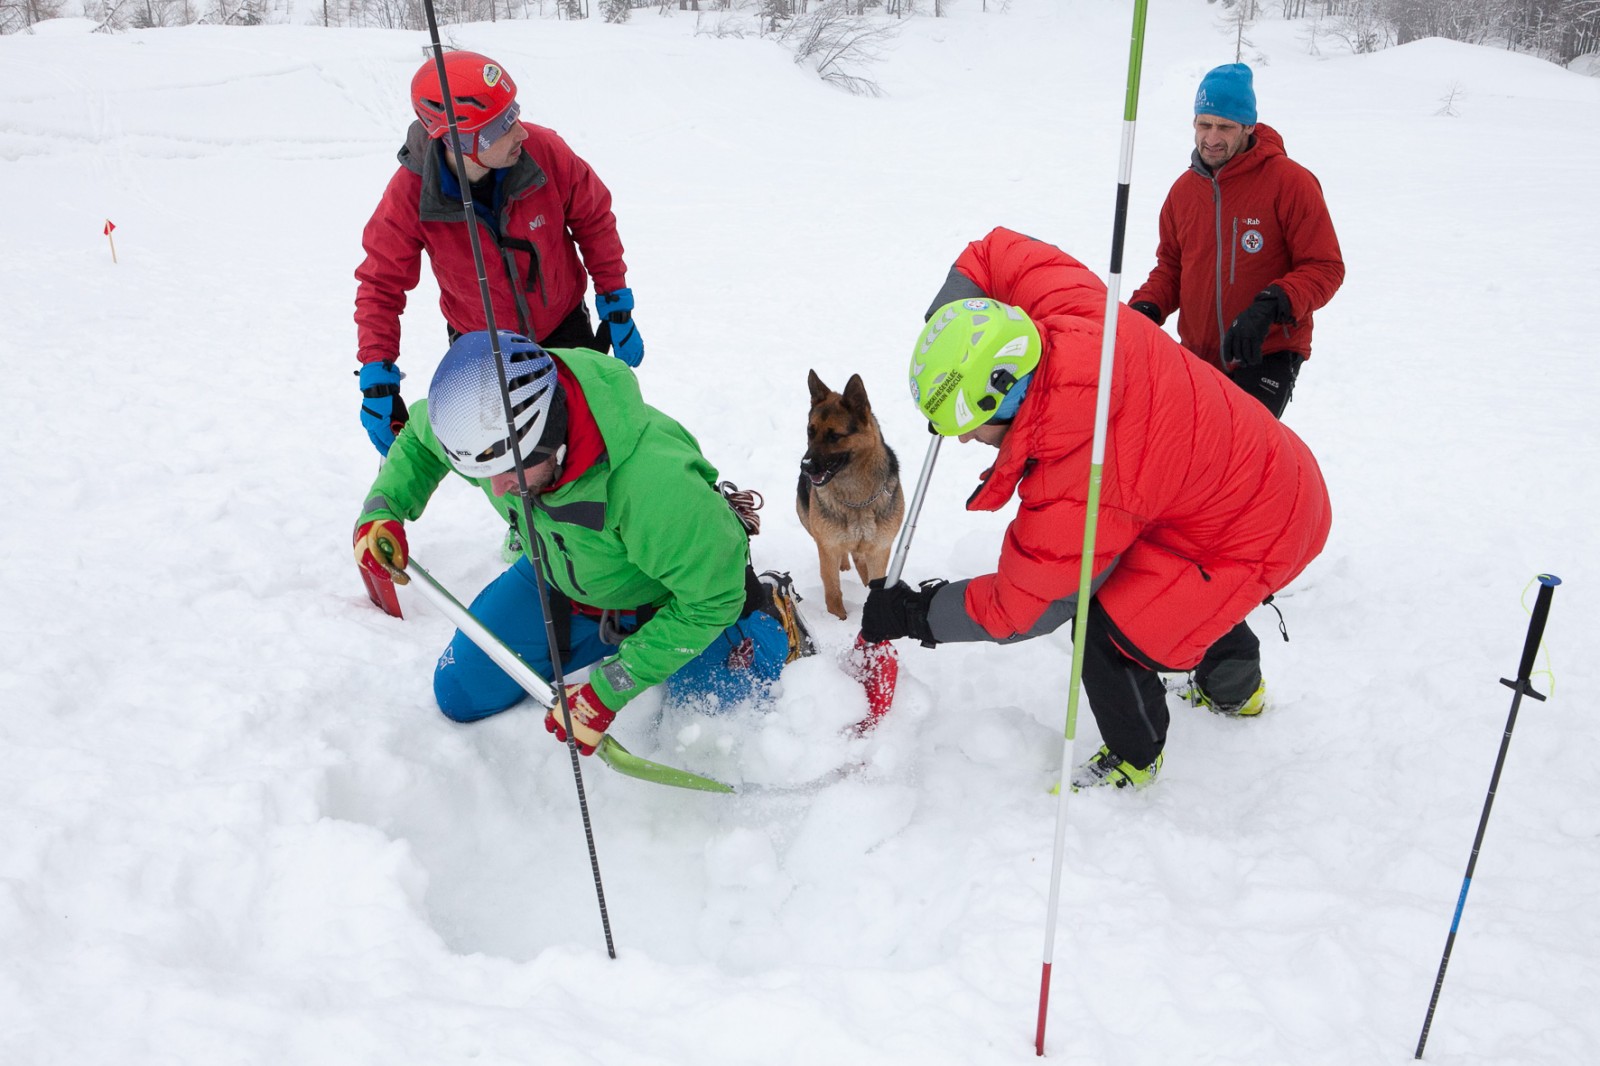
(623, 761)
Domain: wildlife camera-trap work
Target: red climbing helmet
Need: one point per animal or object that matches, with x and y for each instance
(484, 95)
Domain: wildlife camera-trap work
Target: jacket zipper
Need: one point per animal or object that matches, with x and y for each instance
(1216, 204)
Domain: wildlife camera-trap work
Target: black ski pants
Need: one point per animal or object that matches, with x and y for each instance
(1272, 382)
(1129, 701)
(574, 331)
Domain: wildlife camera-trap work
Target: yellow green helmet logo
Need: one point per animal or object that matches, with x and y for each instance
(967, 358)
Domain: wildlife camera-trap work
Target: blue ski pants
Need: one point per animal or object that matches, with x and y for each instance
(740, 664)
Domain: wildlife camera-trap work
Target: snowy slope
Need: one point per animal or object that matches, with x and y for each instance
(233, 828)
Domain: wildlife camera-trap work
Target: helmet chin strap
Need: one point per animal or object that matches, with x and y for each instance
(469, 160)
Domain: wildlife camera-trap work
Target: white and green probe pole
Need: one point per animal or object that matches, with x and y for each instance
(1102, 408)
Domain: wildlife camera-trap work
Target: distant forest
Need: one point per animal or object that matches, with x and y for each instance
(1557, 30)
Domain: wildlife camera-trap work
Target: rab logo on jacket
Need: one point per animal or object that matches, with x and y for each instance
(537, 222)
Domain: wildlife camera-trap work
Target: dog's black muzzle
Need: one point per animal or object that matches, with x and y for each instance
(820, 469)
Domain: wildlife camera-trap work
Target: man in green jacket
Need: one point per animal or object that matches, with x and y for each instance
(648, 565)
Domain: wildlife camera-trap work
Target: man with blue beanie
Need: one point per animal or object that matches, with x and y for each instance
(1247, 251)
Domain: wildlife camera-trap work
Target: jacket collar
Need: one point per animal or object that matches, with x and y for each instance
(585, 446)
(420, 150)
(1264, 144)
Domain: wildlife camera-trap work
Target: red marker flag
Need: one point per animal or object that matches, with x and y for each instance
(110, 225)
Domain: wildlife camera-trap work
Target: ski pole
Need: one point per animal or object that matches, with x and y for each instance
(1102, 417)
(470, 220)
(1520, 688)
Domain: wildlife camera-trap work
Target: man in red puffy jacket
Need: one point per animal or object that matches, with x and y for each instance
(1208, 504)
(1247, 251)
(537, 206)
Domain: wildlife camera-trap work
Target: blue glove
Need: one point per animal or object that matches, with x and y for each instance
(383, 412)
(616, 315)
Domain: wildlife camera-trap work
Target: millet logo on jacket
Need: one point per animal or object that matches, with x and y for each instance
(538, 220)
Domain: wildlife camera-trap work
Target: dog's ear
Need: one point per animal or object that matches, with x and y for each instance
(819, 391)
(855, 397)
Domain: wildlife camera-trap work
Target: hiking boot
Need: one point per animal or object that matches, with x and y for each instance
(1192, 694)
(785, 607)
(1106, 768)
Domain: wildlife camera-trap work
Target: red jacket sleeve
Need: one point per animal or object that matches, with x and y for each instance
(1164, 284)
(1037, 566)
(1318, 265)
(589, 217)
(1034, 275)
(393, 243)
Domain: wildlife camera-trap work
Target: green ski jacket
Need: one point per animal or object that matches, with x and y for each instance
(645, 525)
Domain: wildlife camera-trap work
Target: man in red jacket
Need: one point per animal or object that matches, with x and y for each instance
(1247, 251)
(537, 206)
(1208, 504)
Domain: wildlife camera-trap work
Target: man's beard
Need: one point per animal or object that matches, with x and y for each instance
(539, 478)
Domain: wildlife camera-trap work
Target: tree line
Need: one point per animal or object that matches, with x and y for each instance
(1557, 30)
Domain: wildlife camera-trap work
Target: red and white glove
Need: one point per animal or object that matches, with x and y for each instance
(590, 718)
(379, 542)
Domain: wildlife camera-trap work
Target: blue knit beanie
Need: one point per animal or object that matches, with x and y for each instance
(1227, 93)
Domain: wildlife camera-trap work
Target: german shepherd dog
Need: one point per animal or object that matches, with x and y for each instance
(849, 496)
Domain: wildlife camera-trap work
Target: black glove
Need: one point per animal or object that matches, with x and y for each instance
(901, 611)
(1242, 345)
(1148, 310)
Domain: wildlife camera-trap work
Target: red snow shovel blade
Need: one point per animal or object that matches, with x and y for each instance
(877, 667)
(380, 589)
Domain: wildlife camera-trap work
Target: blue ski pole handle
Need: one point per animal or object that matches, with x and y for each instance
(1541, 612)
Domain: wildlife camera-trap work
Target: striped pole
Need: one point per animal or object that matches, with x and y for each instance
(1102, 408)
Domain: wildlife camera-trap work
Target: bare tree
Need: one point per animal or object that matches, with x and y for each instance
(236, 12)
(1240, 16)
(151, 14)
(112, 15)
(17, 16)
(1310, 34)
(1447, 102)
(1361, 26)
(831, 41)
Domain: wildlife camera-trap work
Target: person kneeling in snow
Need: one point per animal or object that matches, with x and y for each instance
(646, 562)
(1208, 504)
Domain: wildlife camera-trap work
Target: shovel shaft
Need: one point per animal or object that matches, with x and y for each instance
(902, 547)
(479, 634)
(610, 751)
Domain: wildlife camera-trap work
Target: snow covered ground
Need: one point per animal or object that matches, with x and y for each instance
(233, 828)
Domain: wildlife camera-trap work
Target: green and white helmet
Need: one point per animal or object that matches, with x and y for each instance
(968, 357)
